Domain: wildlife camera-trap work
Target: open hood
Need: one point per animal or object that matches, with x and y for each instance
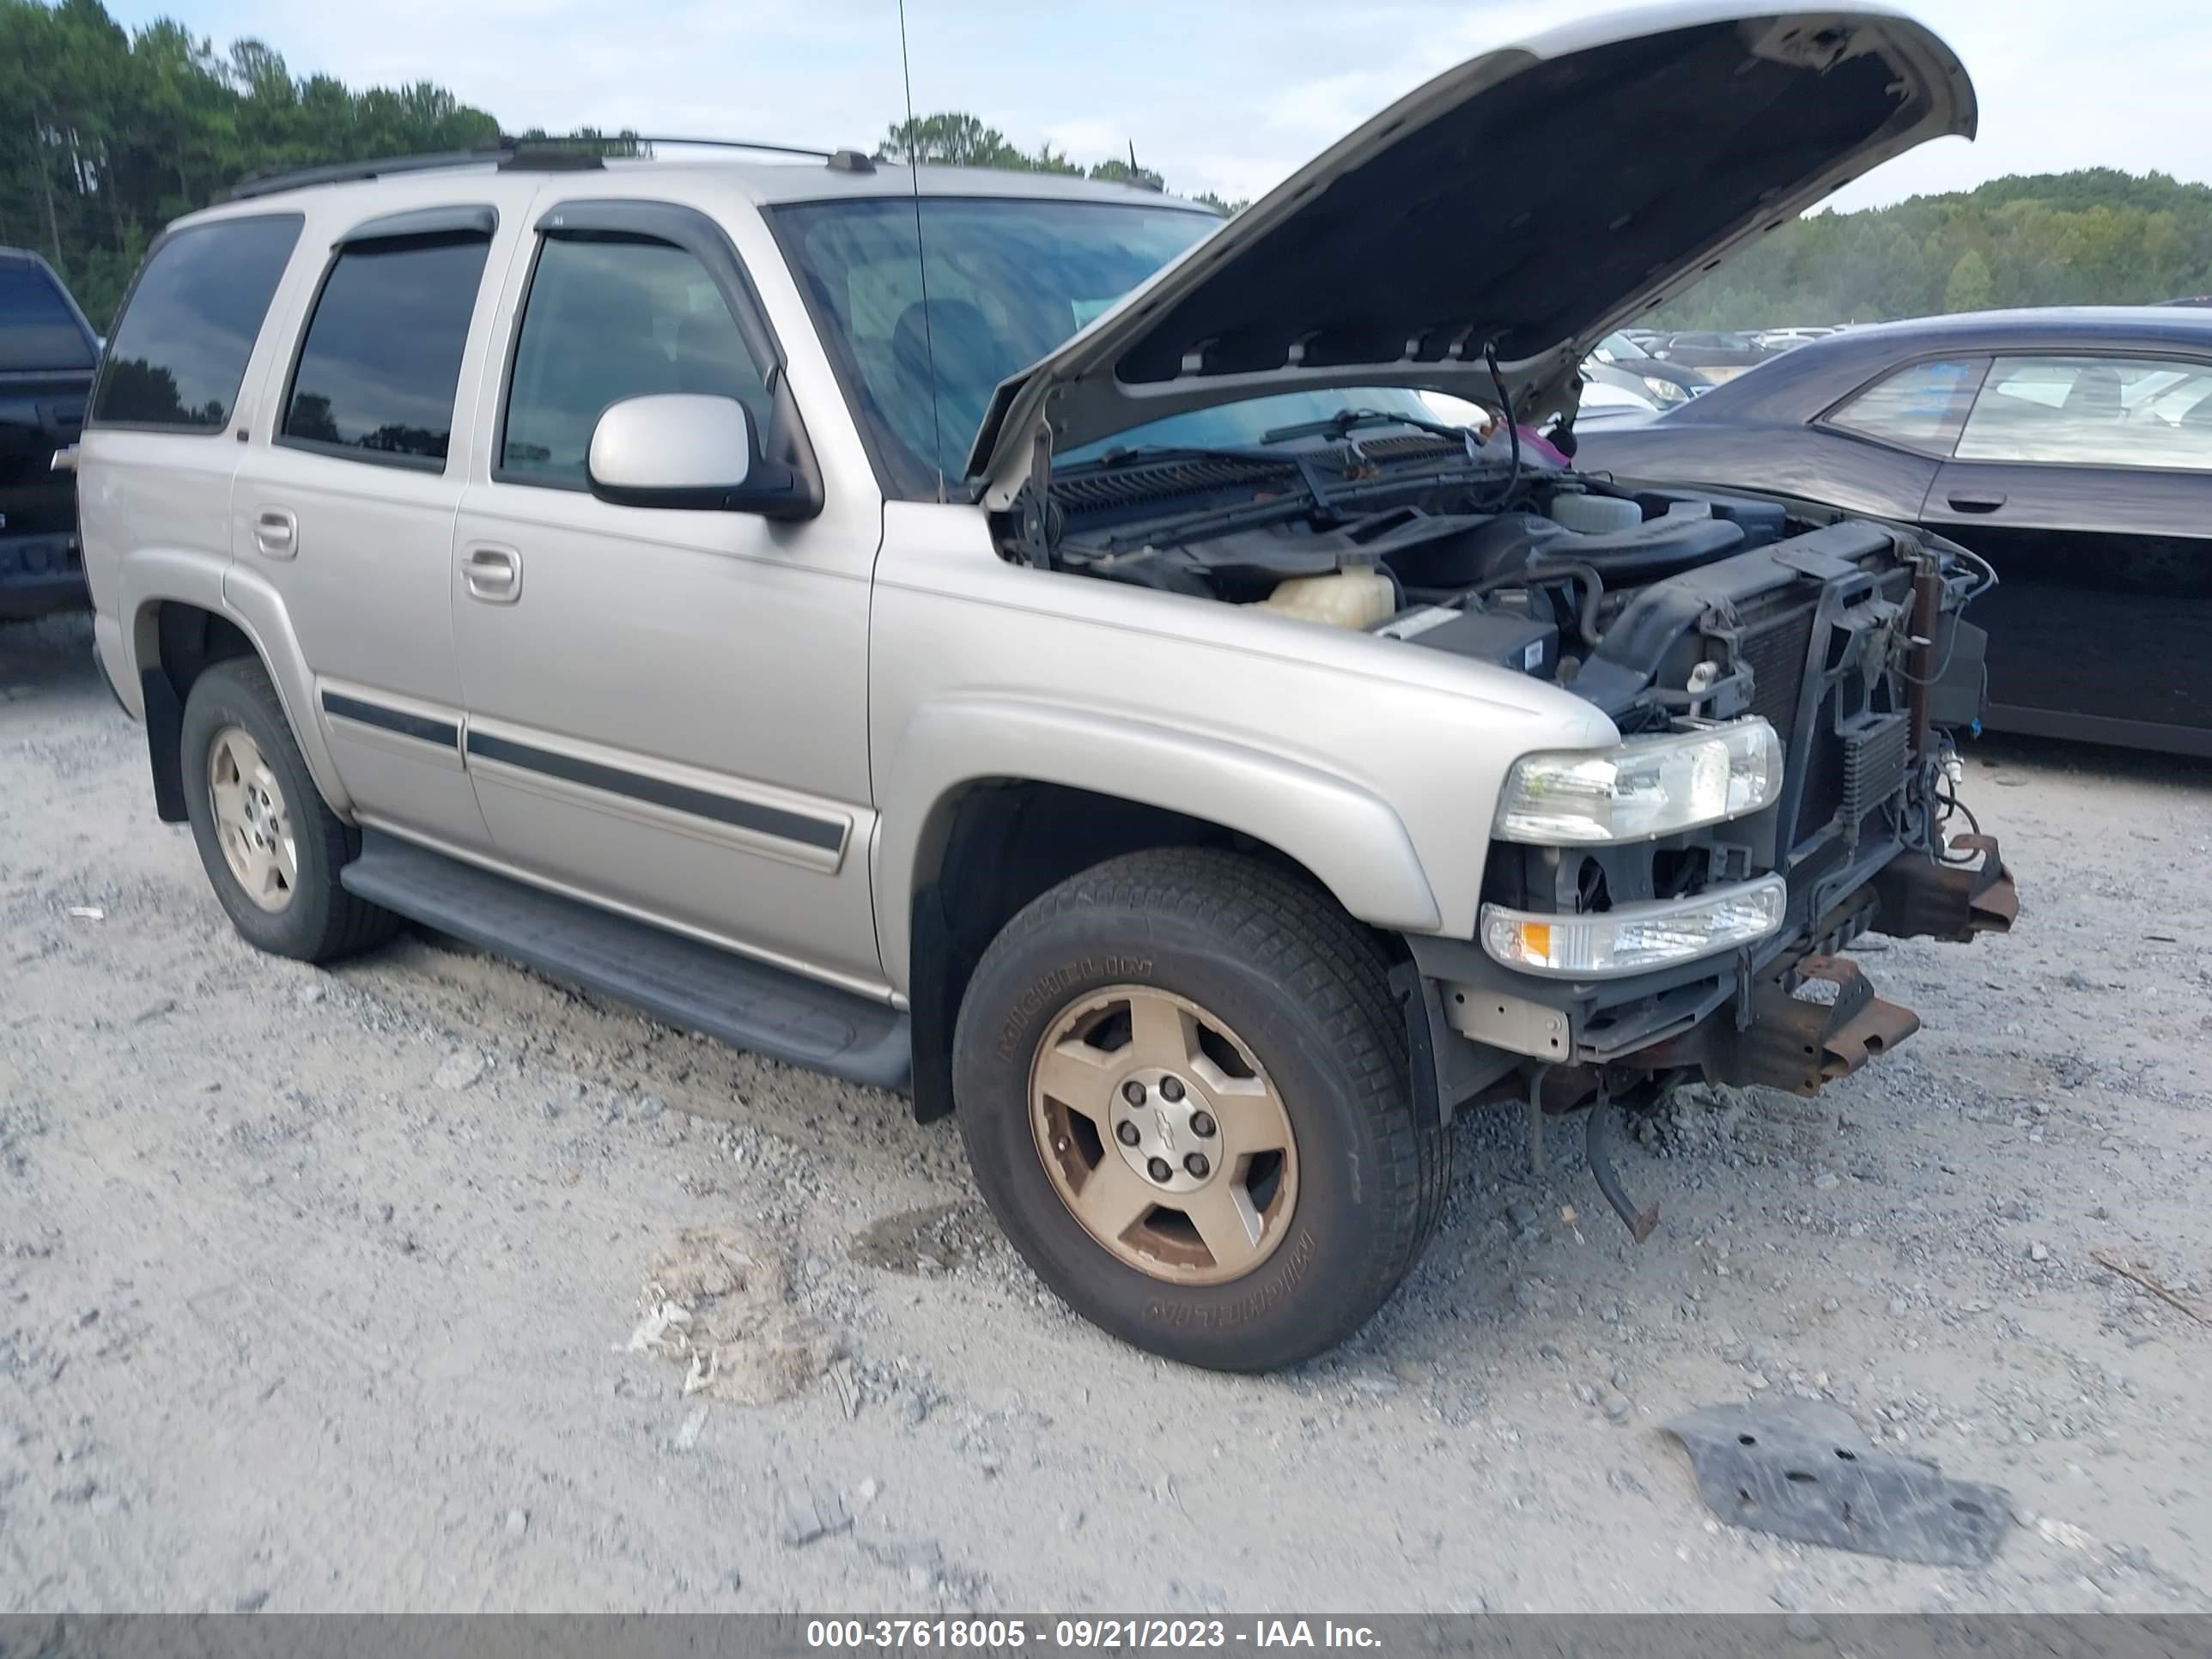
(1530, 200)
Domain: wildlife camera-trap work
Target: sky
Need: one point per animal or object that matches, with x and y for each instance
(1222, 95)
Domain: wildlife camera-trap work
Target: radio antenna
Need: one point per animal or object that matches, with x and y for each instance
(920, 257)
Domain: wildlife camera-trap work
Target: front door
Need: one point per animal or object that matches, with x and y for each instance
(344, 504)
(666, 708)
(2084, 480)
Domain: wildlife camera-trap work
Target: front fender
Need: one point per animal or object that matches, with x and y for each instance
(1348, 838)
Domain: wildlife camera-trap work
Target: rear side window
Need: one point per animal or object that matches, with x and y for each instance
(38, 329)
(1919, 407)
(382, 359)
(2092, 411)
(610, 318)
(179, 351)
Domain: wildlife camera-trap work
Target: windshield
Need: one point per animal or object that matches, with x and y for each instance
(1007, 280)
(1616, 348)
(37, 330)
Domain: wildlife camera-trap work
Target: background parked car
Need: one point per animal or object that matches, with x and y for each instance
(1781, 339)
(1722, 356)
(1664, 383)
(1613, 394)
(47, 355)
(2070, 448)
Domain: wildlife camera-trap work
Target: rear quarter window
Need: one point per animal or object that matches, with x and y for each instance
(1917, 407)
(179, 350)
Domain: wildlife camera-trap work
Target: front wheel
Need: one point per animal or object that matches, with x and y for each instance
(1182, 1081)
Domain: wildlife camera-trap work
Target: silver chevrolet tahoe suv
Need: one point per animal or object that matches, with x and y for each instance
(1033, 644)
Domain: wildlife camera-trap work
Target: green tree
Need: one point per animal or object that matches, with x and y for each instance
(1115, 171)
(2095, 237)
(110, 134)
(956, 138)
(950, 139)
(1969, 287)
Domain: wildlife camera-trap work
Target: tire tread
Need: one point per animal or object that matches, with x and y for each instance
(1337, 974)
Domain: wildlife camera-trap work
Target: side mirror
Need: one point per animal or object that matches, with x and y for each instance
(683, 449)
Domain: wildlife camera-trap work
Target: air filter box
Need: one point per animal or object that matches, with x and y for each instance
(1520, 643)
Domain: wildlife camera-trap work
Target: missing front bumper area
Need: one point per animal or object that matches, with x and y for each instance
(1953, 901)
(1818, 1022)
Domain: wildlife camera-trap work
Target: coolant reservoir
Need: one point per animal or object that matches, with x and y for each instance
(1359, 597)
(1594, 515)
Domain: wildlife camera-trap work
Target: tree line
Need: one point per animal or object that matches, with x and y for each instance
(956, 138)
(106, 134)
(2093, 237)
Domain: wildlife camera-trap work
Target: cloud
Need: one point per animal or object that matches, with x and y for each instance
(1225, 95)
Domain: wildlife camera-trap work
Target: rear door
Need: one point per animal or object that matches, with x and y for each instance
(2084, 480)
(344, 501)
(666, 708)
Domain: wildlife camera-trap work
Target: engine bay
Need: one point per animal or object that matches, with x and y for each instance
(1667, 609)
(1654, 604)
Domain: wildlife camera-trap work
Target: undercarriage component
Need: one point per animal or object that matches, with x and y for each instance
(1802, 1469)
(1952, 902)
(1800, 1041)
(1598, 1148)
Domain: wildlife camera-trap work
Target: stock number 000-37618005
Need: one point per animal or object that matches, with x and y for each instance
(1016, 1632)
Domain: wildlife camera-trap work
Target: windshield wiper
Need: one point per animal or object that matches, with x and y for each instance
(1143, 454)
(1347, 421)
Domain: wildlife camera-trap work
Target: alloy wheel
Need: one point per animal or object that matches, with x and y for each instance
(252, 823)
(1163, 1135)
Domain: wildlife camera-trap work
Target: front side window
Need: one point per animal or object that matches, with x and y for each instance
(1918, 407)
(922, 348)
(612, 317)
(382, 357)
(2094, 411)
(179, 350)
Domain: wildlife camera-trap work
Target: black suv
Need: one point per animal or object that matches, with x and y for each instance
(47, 355)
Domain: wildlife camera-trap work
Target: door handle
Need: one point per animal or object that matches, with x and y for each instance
(493, 574)
(276, 532)
(1976, 503)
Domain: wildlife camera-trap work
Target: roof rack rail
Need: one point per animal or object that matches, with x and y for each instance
(339, 172)
(712, 143)
(551, 153)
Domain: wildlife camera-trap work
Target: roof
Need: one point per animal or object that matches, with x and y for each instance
(763, 182)
(2149, 325)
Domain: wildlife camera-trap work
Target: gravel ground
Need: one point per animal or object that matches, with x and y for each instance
(315, 1287)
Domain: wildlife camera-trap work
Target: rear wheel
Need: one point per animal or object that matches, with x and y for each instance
(1182, 1082)
(271, 847)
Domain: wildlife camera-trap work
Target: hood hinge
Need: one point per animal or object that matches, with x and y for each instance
(1033, 513)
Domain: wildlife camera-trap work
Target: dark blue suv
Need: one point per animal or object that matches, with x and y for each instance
(48, 352)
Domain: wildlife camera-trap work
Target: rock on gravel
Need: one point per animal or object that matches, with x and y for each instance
(811, 1515)
(458, 1069)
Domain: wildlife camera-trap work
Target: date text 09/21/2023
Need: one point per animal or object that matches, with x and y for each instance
(1086, 1633)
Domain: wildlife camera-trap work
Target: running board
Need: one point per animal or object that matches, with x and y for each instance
(746, 1004)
